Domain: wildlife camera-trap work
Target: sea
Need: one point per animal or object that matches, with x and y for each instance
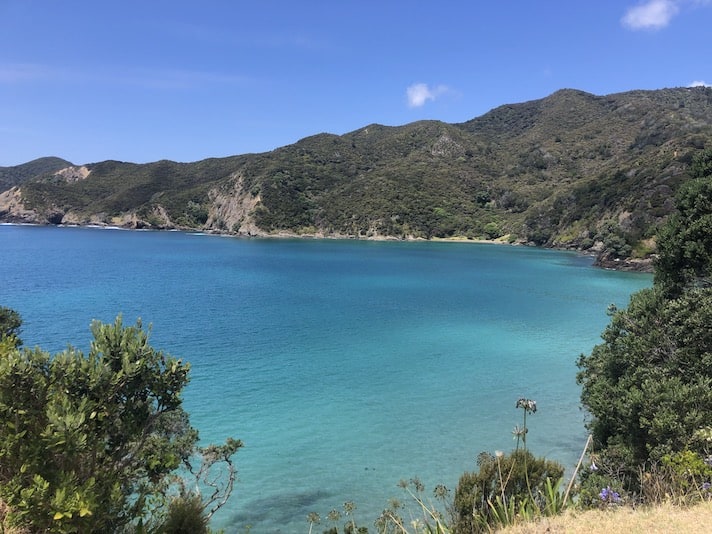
(345, 366)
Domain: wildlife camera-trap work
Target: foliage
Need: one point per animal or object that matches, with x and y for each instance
(89, 443)
(685, 243)
(690, 470)
(184, 516)
(334, 516)
(427, 516)
(505, 490)
(10, 324)
(682, 478)
(614, 241)
(507, 486)
(602, 484)
(648, 386)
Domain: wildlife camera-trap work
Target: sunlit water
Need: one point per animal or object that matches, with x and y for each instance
(344, 366)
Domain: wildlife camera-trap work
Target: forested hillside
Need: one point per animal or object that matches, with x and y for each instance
(10, 176)
(570, 170)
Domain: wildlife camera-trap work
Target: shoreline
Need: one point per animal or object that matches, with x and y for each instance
(616, 264)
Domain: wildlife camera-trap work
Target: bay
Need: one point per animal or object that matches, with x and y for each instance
(344, 366)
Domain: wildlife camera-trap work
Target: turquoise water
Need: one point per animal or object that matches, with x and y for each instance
(344, 366)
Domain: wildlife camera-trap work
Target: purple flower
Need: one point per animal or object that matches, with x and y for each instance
(609, 496)
(706, 486)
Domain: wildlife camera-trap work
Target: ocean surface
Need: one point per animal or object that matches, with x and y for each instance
(344, 366)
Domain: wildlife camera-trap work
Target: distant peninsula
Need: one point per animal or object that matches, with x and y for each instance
(573, 170)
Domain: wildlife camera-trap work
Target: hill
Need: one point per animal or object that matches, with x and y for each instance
(571, 170)
(11, 176)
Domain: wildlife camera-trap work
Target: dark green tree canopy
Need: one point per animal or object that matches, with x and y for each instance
(685, 242)
(10, 323)
(648, 386)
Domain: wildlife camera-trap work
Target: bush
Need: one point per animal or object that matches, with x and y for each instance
(185, 516)
(10, 323)
(89, 443)
(513, 484)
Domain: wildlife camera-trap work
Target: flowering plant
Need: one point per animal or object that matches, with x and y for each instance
(609, 496)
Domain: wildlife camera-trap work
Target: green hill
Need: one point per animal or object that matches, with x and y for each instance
(569, 170)
(11, 176)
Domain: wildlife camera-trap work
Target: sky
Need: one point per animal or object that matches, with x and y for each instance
(145, 80)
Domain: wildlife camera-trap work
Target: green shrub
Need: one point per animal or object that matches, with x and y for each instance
(601, 485)
(492, 230)
(510, 483)
(90, 443)
(185, 516)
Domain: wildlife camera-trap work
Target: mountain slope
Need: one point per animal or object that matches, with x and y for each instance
(570, 170)
(11, 176)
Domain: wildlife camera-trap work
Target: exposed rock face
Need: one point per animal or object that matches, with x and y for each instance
(446, 146)
(13, 210)
(231, 210)
(73, 174)
(12, 207)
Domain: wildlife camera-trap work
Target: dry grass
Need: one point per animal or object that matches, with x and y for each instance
(663, 519)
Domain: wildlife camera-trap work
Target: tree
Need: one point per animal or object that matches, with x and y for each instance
(90, 443)
(685, 242)
(10, 323)
(648, 386)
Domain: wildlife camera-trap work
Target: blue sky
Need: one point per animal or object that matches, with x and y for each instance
(143, 80)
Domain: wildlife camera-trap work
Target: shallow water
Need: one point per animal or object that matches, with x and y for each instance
(344, 366)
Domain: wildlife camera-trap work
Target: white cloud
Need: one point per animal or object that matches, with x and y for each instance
(651, 14)
(699, 83)
(419, 93)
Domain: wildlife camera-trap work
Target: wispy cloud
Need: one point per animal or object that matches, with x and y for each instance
(651, 14)
(419, 93)
(24, 73)
(657, 14)
(699, 83)
(13, 73)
